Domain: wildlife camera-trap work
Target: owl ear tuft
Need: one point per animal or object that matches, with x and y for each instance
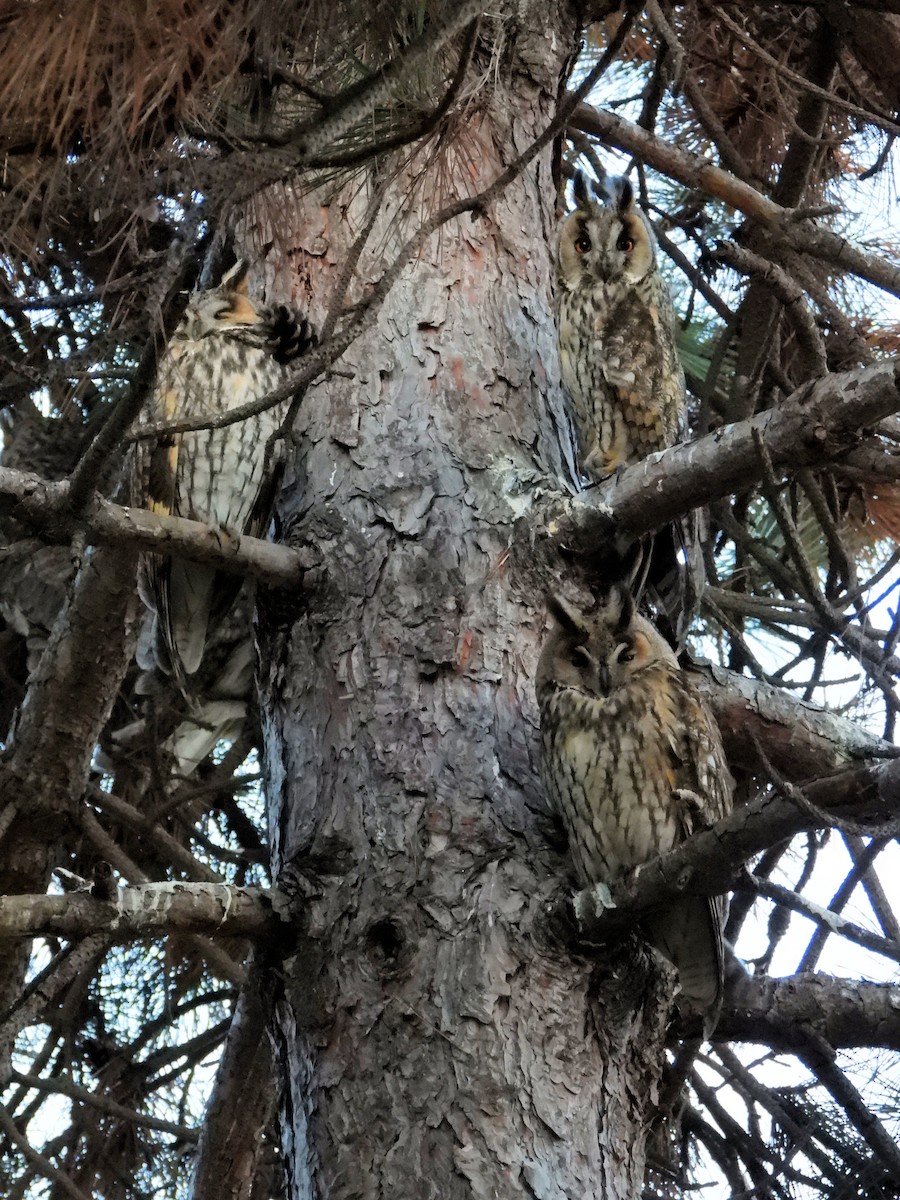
(580, 190)
(619, 607)
(566, 617)
(235, 279)
(625, 201)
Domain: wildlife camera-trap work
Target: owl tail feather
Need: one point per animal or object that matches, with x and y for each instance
(673, 576)
(689, 934)
(183, 609)
(665, 574)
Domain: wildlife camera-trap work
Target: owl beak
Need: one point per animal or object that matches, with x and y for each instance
(603, 679)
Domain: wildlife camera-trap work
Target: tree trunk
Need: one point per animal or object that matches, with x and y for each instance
(434, 1038)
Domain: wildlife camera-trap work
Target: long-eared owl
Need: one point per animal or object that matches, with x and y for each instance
(227, 351)
(633, 762)
(616, 333)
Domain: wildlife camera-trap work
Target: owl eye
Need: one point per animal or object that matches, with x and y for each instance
(583, 244)
(625, 243)
(627, 653)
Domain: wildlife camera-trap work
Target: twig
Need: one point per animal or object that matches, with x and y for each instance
(41, 1164)
(803, 1136)
(840, 899)
(661, 24)
(819, 816)
(681, 260)
(60, 1085)
(820, 1058)
(761, 53)
(791, 295)
(715, 130)
(873, 889)
(828, 921)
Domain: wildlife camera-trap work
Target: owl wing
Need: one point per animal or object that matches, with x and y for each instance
(689, 932)
(704, 766)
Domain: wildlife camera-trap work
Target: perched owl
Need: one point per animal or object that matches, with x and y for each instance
(616, 334)
(227, 351)
(633, 762)
(621, 371)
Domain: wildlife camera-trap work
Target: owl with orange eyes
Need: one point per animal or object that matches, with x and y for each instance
(632, 760)
(616, 332)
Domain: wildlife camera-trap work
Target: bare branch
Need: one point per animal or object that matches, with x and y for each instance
(791, 295)
(145, 910)
(706, 863)
(60, 1085)
(801, 739)
(696, 172)
(817, 423)
(830, 922)
(44, 506)
(846, 1012)
(242, 1097)
(40, 1162)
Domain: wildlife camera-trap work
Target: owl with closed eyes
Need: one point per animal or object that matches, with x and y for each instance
(632, 760)
(616, 323)
(227, 351)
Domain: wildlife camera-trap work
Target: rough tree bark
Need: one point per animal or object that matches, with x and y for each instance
(433, 1038)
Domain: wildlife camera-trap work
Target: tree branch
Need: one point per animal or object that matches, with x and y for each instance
(696, 172)
(828, 921)
(61, 1085)
(707, 862)
(44, 507)
(816, 423)
(801, 739)
(146, 910)
(847, 1013)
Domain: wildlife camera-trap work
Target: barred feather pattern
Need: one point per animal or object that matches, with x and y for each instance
(616, 325)
(226, 352)
(620, 368)
(633, 762)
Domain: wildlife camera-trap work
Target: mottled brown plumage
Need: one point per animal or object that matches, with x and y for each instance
(227, 351)
(620, 368)
(619, 363)
(633, 762)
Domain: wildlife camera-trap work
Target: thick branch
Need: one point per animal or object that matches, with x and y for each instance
(44, 507)
(817, 423)
(800, 739)
(706, 863)
(242, 1099)
(70, 696)
(148, 910)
